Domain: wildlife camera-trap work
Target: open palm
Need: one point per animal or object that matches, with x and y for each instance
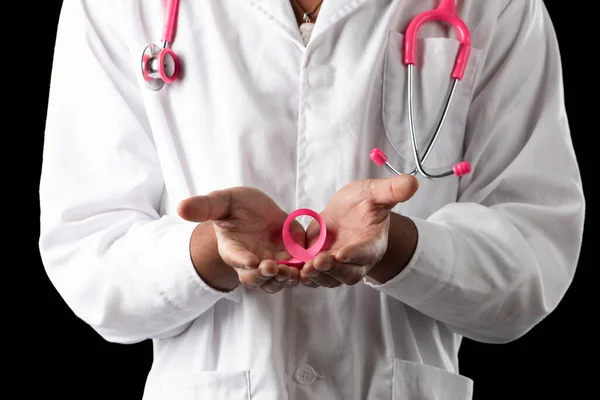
(357, 220)
(248, 225)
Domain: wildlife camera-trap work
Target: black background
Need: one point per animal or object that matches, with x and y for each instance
(63, 358)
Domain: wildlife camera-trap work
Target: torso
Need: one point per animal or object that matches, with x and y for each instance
(257, 107)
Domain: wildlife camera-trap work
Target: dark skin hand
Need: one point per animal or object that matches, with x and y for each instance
(364, 237)
(247, 228)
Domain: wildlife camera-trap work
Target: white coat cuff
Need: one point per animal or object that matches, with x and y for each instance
(429, 270)
(177, 278)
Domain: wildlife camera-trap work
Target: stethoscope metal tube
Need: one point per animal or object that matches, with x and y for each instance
(411, 123)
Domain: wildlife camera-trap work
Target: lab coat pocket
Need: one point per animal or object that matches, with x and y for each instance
(414, 381)
(432, 80)
(205, 385)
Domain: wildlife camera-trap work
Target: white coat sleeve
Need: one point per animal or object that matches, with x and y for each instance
(120, 265)
(496, 262)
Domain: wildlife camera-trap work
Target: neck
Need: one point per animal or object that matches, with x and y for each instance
(303, 7)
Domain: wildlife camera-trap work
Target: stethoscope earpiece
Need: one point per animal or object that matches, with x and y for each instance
(159, 66)
(381, 159)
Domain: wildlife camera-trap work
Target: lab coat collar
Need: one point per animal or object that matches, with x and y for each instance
(281, 13)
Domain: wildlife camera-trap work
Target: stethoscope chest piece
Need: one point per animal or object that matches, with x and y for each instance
(159, 66)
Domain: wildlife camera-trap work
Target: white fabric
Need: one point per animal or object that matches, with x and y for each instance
(497, 249)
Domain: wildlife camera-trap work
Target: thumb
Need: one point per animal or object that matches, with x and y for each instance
(391, 191)
(213, 206)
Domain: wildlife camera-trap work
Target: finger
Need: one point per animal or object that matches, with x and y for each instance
(310, 284)
(272, 286)
(391, 191)
(319, 278)
(254, 278)
(327, 281)
(309, 270)
(303, 275)
(213, 206)
(269, 268)
(284, 273)
(251, 278)
(282, 279)
(348, 274)
(294, 278)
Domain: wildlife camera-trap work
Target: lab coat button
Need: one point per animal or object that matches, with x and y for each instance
(305, 375)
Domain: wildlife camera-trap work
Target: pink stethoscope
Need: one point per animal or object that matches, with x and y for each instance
(160, 65)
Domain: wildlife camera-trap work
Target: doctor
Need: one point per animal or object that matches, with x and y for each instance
(161, 211)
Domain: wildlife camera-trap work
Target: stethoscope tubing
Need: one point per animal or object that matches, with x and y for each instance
(419, 161)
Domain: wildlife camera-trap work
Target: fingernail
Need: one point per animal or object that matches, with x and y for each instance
(280, 278)
(268, 274)
(292, 282)
(313, 274)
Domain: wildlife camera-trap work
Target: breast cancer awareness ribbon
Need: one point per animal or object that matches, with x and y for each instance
(299, 254)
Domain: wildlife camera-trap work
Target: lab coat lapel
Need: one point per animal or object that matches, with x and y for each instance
(334, 11)
(279, 12)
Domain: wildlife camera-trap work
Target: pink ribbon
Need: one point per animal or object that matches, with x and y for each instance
(300, 254)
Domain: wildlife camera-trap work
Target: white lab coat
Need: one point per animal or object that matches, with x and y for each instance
(497, 249)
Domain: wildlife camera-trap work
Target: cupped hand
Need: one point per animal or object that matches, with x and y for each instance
(247, 225)
(357, 220)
